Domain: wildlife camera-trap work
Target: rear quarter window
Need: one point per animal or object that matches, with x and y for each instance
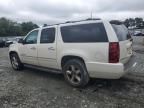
(121, 32)
(94, 32)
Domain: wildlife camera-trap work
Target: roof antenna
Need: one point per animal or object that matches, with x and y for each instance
(91, 15)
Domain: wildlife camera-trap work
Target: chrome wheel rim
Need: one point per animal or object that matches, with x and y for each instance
(73, 74)
(14, 62)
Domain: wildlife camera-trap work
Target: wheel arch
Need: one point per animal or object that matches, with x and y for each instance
(69, 57)
(12, 52)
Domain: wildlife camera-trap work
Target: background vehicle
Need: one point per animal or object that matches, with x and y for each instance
(8, 43)
(80, 49)
(2, 43)
(138, 33)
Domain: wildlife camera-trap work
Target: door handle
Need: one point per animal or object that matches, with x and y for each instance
(51, 48)
(33, 48)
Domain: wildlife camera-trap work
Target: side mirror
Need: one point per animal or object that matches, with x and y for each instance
(131, 39)
(21, 41)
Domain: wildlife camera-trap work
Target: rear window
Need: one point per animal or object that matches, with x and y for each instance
(121, 31)
(84, 33)
(47, 35)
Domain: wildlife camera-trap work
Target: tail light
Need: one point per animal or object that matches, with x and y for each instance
(114, 52)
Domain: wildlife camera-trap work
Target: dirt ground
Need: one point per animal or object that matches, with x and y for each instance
(33, 88)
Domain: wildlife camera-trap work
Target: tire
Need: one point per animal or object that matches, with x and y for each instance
(15, 62)
(75, 73)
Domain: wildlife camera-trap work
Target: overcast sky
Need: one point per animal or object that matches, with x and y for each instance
(55, 11)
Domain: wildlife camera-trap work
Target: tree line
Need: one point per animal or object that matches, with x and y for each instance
(13, 28)
(134, 23)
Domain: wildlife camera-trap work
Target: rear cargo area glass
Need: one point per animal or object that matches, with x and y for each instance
(121, 32)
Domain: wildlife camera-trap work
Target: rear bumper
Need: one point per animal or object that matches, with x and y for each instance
(109, 70)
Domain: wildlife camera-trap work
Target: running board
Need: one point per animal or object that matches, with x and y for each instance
(57, 71)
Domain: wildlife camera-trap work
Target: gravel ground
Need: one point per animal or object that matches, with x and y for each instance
(32, 88)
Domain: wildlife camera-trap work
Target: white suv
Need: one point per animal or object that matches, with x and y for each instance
(78, 49)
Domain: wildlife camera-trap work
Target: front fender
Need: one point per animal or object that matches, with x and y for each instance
(14, 48)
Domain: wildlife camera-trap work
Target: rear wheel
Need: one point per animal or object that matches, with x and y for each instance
(76, 73)
(15, 61)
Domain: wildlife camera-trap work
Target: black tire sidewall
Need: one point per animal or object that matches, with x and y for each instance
(84, 73)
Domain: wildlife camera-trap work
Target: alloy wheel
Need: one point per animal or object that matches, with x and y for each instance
(14, 62)
(73, 74)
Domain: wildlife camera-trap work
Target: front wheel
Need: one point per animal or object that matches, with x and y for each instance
(75, 73)
(15, 61)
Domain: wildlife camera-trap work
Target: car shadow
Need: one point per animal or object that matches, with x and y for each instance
(43, 73)
(123, 84)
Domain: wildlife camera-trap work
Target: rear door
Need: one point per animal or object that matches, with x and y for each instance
(125, 41)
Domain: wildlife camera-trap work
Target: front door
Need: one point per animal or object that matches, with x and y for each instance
(28, 50)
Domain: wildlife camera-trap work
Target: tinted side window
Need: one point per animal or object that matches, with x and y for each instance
(32, 37)
(47, 35)
(84, 33)
(121, 32)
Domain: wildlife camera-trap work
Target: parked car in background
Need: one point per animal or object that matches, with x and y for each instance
(2, 43)
(10, 40)
(138, 33)
(8, 43)
(78, 49)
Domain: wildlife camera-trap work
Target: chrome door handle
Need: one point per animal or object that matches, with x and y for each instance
(51, 48)
(33, 48)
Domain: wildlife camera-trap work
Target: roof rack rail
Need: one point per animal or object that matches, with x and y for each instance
(93, 19)
(55, 24)
(75, 21)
